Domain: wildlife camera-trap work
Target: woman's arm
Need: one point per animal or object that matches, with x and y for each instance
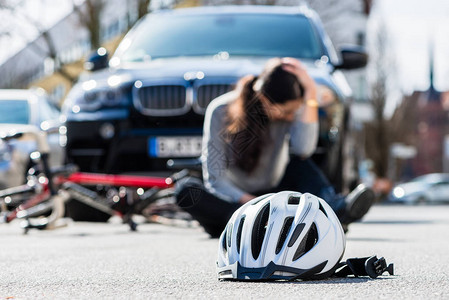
(309, 112)
(304, 130)
(303, 138)
(214, 157)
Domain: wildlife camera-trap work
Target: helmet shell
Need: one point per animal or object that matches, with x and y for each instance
(287, 235)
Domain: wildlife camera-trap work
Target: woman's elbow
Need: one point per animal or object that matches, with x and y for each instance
(309, 152)
(304, 151)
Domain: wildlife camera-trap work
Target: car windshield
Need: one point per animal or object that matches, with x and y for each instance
(14, 111)
(241, 35)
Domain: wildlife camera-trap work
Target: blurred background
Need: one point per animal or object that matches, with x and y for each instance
(399, 113)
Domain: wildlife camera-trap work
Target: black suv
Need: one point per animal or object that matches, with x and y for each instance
(146, 105)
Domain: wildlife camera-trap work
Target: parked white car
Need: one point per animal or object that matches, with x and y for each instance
(426, 188)
(22, 111)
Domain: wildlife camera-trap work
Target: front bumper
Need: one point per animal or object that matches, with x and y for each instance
(129, 149)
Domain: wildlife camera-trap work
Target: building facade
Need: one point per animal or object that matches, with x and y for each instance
(69, 39)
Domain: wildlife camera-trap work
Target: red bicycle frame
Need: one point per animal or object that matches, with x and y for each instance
(120, 180)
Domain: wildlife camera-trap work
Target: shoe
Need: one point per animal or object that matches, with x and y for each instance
(358, 203)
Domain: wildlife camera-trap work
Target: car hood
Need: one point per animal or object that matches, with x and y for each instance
(177, 68)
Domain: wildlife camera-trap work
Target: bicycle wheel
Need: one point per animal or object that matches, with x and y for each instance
(85, 205)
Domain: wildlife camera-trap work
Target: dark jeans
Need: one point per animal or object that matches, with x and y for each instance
(213, 213)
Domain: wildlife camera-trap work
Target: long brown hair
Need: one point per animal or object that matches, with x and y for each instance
(247, 129)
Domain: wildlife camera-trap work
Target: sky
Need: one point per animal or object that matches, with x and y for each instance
(415, 29)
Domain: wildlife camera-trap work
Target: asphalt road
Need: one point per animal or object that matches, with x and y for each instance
(106, 261)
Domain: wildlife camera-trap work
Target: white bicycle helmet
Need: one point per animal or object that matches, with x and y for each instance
(287, 235)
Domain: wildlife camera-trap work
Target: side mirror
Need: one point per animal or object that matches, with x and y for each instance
(97, 60)
(353, 57)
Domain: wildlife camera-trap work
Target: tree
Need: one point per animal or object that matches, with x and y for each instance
(25, 25)
(335, 14)
(142, 8)
(377, 134)
(90, 11)
(22, 18)
(89, 14)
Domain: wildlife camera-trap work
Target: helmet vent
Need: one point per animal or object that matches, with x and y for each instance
(296, 233)
(307, 243)
(284, 232)
(229, 234)
(294, 200)
(223, 242)
(239, 233)
(323, 210)
(259, 229)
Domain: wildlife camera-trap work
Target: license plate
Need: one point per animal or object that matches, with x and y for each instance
(178, 146)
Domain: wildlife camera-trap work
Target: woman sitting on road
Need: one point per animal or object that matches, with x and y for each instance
(258, 139)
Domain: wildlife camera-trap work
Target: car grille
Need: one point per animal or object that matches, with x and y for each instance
(177, 99)
(161, 97)
(206, 93)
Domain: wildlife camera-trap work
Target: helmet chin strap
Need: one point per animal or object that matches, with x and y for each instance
(365, 266)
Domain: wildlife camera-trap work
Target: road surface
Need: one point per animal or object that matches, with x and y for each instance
(106, 261)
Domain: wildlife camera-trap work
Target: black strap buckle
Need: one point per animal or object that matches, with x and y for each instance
(365, 266)
(375, 267)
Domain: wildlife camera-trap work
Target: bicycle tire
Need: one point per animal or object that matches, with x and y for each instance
(84, 205)
(150, 197)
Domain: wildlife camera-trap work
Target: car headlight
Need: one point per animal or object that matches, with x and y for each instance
(398, 192)
(94, 99)
(90, 96)
(106, 97)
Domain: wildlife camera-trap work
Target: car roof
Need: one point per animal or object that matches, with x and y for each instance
(239, 9)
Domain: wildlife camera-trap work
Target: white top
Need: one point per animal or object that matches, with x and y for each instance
(225, 179)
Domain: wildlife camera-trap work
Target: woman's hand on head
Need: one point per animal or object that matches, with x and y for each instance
(294, 66)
